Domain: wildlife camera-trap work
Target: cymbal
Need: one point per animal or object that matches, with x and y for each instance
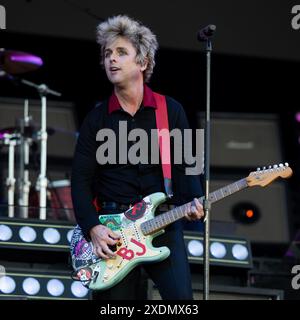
(15, 62)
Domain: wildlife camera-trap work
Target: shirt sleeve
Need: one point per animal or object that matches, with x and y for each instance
(83, 173)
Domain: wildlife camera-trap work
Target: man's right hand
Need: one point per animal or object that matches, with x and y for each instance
(102, 237)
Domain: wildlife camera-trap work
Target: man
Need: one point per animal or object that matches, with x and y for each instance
(128, 49)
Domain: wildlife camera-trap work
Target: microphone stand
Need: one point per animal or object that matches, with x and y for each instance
(204, 35)
(206, 201)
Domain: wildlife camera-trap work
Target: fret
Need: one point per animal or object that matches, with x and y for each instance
(173, 213)
(241, 184)
(229, 190)
(182, 212)
(179, 212)
(234, 188)
(157, 222)
(237, 186)
(168, 219)
(222, 193)
(226, 191)
(213, 197)
(219, 194)
(151, 225)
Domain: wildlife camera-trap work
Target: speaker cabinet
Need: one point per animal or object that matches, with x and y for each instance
(268, 220)
(225, 293)
(244, 140)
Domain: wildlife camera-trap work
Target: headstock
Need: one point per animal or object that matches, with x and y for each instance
(264, 176)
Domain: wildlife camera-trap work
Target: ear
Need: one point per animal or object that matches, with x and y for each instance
(145, 65)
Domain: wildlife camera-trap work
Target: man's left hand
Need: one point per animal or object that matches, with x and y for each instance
(195, 210)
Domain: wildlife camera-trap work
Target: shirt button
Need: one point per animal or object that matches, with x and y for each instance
(132, 120)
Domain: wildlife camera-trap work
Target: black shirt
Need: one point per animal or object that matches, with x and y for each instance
(124, 183)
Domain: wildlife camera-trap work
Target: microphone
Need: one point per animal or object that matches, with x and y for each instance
(205, 33)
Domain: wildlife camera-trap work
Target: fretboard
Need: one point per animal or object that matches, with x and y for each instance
(163, 220)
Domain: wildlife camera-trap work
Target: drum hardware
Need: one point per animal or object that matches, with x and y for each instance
(11, 140)
(13, 62)
(25, 142)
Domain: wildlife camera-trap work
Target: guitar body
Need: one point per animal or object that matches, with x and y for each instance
(137, 227)
(133, 249)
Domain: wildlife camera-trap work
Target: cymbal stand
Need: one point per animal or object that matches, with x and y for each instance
(43, 135)
(24, 185)
(11, 141)
(42, 181)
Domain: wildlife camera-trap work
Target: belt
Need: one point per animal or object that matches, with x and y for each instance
(110, 205)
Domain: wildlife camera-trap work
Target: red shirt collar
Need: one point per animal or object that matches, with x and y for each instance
(148, 100)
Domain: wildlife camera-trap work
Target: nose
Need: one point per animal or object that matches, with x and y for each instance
(112, 57)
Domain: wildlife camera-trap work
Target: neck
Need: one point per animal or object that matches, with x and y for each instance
(130, 96)
(163, 220)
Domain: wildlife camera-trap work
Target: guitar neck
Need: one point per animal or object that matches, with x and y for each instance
(165, 219)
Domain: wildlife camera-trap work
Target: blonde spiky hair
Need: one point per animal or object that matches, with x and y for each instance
(141, 37)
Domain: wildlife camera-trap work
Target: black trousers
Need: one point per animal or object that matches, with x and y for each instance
(171, 276)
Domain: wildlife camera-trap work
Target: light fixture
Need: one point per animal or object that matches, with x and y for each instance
(5, 233)
(195, 248)
(246, 213)
(78, 289)
(35, 234)
(55, 287)
(225, 251)
(217, 250)
(69, 235)
(51, 235)
(7, 285)
(32, 284)
(27, 234)
(240, 251)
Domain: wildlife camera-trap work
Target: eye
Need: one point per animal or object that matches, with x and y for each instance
(107, 54)
(122, 52)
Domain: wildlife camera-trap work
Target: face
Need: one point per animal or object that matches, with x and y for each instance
(119, 61)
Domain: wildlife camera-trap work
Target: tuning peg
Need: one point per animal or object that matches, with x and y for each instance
(270, 167)
(258, 169)
(275, 166)
(264, 168)
(286, 164)
(280, 165)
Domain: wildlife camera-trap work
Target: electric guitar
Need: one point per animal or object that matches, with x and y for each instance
(138, 226)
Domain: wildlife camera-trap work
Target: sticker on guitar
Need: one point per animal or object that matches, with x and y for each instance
(137, 211)
(129, 254)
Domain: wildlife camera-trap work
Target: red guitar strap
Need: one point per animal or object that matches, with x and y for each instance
(162, 125)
